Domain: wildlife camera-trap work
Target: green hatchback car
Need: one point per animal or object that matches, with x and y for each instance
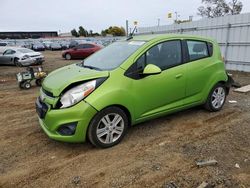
(128, 82)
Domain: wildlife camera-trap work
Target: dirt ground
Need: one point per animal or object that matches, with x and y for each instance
(153, 154)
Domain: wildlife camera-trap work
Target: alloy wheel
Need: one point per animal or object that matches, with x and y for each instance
(218, 97)
(110, 128)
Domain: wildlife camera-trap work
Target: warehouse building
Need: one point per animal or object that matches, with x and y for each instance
(28, 34)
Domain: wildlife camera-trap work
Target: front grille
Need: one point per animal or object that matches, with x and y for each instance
(41, 108)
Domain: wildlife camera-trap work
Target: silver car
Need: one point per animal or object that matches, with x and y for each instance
(20, 57)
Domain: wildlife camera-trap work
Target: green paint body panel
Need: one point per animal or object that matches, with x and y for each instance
(82, 113)
(172, 90)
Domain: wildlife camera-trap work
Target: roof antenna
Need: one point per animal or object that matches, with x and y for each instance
(131, 34)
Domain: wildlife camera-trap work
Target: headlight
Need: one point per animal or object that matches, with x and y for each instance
(25, 57)
(76, 94)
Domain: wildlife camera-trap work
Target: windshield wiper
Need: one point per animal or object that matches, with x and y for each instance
(89, 66)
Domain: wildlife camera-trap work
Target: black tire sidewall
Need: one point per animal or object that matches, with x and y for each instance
(209, 105)
(94, 123)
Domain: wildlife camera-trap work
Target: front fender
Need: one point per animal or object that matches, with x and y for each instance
(114, 91)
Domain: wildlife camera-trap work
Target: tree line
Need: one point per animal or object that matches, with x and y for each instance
(217, 8)
(112, 30)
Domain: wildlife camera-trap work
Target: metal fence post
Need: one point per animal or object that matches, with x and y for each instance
(227, 42)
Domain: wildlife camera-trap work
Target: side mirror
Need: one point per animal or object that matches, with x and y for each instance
(151, 69)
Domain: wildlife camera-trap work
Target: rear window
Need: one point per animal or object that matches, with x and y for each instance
(197, 50)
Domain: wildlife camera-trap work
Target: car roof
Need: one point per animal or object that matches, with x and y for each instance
(14, 48)
(166, 36)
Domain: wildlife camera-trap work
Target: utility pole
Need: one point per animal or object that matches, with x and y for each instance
(127, 28)
(190, 18)
(158, 21)
(176, 16)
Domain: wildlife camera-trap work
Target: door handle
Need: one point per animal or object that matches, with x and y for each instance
(178, 76)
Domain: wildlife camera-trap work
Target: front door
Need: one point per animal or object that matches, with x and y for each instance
(156, 94)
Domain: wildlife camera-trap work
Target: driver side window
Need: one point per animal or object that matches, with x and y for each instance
(165, 55)
(9, 52)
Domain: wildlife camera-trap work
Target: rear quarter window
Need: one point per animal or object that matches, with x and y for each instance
(198, 50)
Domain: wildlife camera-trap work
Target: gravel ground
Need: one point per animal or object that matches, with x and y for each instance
(153, 154)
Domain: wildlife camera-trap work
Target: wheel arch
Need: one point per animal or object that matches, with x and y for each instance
(123, 108)
(225, 84)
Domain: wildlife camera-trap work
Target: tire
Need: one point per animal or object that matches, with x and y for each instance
(216, 98)
(20, 84)
(112, 123)
(26, 85)
(68, 56)
(38, 82)
(16, 63)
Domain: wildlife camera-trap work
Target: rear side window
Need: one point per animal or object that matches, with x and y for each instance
(88, 46)
(197, 50)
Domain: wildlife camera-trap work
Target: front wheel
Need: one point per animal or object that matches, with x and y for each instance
(16, 62)
(108, 127)
(68, 56)
(216, 98)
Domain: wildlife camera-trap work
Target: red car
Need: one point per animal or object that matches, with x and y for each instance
(81, 51)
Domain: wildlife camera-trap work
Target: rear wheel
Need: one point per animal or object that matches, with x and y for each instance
(26, 85)
(68, 57)
(108, 127)
(216, 98)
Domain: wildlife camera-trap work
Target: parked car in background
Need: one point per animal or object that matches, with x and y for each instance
(73, 44)
(3, 43)
(38, 46)
(81, 51)
(55, 46)
(47, 44)
(21, 57)
(65, 45)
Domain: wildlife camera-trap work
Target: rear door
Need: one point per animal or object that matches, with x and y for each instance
(199, 68)
(78, 51)
(87, 50)
(159, 93)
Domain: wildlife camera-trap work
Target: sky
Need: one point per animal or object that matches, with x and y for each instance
(64, 15)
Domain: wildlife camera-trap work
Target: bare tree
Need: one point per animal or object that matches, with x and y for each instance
(216, 8)
(235, 7)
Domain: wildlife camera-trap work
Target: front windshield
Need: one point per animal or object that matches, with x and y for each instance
(113, 55)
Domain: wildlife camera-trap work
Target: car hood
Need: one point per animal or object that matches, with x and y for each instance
(59, 79)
